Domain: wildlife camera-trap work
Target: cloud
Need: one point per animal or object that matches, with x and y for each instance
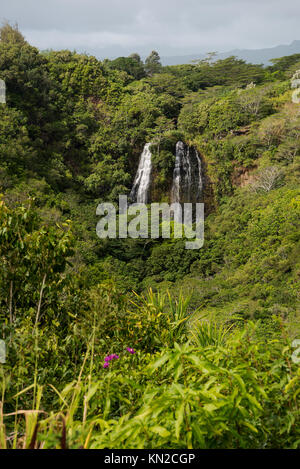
(117, 27)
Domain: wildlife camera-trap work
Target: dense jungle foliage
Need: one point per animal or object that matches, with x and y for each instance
(132, 343)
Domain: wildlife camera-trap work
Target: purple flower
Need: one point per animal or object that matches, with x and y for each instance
(130, 350)
(106, 365)
(111, 357)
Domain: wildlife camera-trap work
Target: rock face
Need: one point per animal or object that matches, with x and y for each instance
(187, 176)
(140, 190)
(242, 177)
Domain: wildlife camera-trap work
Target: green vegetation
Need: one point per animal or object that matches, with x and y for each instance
(200, 355)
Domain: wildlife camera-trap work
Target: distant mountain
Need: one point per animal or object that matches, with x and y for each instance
(256, 56)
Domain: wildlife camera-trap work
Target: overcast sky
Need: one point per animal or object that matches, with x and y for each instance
(108, 28)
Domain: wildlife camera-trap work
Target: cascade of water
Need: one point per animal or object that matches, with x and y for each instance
(187, 176)
(175, 192)
(200, 180)
(141, 185)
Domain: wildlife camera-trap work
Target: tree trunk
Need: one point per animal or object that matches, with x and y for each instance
(10, 302)
(40, 301)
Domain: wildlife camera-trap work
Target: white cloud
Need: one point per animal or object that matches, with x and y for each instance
(118, 27)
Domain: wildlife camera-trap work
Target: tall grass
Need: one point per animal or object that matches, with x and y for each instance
(206, 331)
(202, 386)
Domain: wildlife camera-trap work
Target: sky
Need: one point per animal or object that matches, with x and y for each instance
(112, 28)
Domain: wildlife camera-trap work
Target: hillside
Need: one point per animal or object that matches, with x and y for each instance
(255, 56)
(142, 343)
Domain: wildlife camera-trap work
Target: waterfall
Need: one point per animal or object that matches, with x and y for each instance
(200, 180)
(187, 176)
(141, 185)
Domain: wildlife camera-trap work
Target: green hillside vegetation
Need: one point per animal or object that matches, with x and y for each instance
(198, 343)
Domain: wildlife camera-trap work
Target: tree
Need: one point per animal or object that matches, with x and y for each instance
(268, 179)
(16, 152)
(24, 71)
(152, 63)
(10, 33)
(209, 59)
(162, 127)
(252, 99)
(271, 131)
(283, 63)
(32, 261)
(135, 56)
(130, 65)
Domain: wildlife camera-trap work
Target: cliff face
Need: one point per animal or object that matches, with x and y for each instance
(186, 185)
(242, 177)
